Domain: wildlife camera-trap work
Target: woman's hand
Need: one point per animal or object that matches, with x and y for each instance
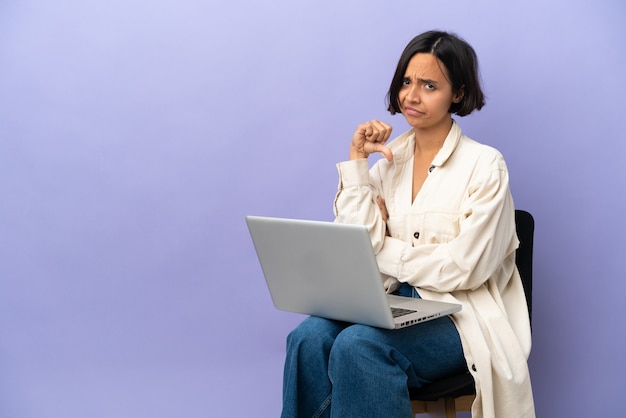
(383, 211)
(383, 208)
(370, 137)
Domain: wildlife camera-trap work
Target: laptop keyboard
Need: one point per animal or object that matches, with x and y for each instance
(396, 312)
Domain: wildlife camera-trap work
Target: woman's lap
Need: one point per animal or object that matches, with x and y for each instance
(364, 362)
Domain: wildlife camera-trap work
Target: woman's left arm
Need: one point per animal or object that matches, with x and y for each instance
(486, 237)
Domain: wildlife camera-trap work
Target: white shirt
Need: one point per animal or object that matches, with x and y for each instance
(455, 242)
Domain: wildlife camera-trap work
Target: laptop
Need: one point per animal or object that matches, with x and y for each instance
(329, 270)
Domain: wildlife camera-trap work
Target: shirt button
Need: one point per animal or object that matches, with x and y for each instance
(431, 168)
(416, 235)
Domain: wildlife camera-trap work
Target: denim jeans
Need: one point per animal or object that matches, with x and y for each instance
(337, 369)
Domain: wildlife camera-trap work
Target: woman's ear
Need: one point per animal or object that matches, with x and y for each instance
(458, 96)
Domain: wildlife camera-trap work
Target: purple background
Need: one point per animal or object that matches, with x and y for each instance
(136, 135)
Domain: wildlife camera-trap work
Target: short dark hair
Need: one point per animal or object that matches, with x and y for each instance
(461, 65)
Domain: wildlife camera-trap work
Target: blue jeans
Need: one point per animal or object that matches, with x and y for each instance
(337, 369)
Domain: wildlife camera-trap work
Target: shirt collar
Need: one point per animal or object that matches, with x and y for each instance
(449, 145)
(403, 147)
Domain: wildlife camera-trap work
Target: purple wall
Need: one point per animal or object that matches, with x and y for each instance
(135, 136)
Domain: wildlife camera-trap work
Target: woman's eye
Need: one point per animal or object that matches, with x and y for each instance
(406, 82)
(430, 86)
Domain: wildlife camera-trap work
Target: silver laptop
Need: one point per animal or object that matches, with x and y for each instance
(329, 270)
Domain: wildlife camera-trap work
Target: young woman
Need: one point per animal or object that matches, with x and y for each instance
(441, 220)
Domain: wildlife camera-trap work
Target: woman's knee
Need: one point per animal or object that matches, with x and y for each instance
(360, 352)
(313, 332)
(357, 342)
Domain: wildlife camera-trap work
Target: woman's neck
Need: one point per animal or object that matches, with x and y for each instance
(429, 141)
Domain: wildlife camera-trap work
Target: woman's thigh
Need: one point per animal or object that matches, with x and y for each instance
(433, 349)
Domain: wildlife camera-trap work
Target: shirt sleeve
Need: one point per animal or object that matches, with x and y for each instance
(355, 201)
(486, 237)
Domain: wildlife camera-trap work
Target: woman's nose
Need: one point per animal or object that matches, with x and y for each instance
(412, 94)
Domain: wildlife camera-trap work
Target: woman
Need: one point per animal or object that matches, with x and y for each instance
(441, 220)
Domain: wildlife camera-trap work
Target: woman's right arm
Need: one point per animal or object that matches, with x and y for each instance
(359, 188)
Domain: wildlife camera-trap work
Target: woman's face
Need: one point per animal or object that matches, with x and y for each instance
(426, 94)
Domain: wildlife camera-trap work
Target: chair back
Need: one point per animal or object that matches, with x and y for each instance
(525, 225)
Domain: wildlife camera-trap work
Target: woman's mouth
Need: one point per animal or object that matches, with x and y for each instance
(411, 111)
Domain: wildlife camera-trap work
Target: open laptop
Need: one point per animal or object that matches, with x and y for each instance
(329, 270)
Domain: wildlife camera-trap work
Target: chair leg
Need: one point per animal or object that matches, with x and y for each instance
(450, 404)
(442, 408)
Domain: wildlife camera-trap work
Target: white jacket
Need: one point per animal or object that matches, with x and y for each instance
(456, 242)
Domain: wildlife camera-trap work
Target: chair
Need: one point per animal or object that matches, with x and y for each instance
(456, 393)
